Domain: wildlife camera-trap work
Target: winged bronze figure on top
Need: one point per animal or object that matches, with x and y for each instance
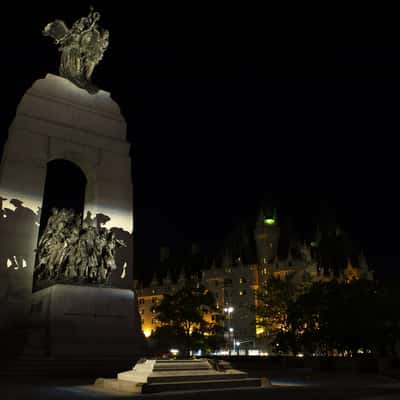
(82, 47)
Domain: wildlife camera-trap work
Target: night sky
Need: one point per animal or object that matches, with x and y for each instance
(229, 109)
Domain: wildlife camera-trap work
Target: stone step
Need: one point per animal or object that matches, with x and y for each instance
(179, 361)
(178, 376)
(182, 368)
(179, 365)
(201, 376)
(186, 363)
(200, 385)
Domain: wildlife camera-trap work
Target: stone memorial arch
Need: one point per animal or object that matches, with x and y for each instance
(65, 188)
(60, 118)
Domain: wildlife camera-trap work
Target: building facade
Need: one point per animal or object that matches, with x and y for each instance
(236, 284)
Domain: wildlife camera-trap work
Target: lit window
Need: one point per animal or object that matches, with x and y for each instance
(242, 293)
(153, 291)
(242, 280)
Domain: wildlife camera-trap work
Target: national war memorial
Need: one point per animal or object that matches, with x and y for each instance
(66, 227)
(66, 233)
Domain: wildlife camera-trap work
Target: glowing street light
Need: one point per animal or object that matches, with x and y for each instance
(229, 310)
(240, 343)
(174, 352)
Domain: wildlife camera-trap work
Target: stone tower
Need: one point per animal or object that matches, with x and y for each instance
(266, 234)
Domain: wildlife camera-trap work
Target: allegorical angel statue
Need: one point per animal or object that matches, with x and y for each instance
(82, 47)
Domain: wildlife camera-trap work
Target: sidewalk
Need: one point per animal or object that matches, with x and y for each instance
(291, 385)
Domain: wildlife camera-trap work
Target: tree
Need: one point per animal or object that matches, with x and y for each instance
(277, 312)
(184, 314)
(340, 317)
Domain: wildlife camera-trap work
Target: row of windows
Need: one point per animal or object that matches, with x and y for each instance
(153, 321)
(142, 311)
(227, 293)
(229, 281)
(154, 300)
(231, 293)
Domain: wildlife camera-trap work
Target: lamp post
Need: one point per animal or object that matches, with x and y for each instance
(243, 342)
(229, 311)
(231, 341)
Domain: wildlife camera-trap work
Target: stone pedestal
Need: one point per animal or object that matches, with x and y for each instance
(83, 321)
(155, 376)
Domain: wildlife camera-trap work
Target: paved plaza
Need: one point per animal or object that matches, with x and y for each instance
(285, 385)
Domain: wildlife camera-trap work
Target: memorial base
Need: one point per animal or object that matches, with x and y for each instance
(156, 376)
(83, 321)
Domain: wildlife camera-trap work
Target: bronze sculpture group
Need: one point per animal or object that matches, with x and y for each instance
(82, 47)
(71, 250)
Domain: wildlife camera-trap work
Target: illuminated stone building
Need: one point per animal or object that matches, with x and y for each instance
(151, 296)
(236, 276)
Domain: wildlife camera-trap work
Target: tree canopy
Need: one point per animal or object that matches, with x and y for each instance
(333, 317)
(183, 317)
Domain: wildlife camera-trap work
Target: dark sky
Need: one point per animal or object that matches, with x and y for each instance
(229, 108)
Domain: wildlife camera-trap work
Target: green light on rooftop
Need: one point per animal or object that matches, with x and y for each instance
(269, 221)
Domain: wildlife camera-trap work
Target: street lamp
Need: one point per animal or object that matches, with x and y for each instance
(243, 342)
(229, 310)
(231, 340)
